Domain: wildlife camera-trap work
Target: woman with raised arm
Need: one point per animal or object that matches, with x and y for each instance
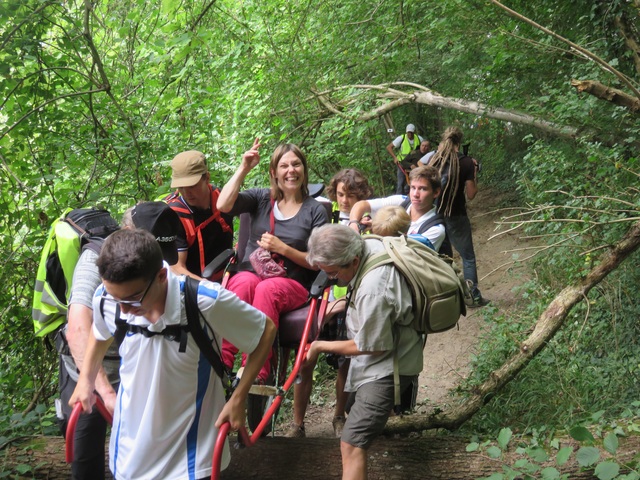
(282, 218)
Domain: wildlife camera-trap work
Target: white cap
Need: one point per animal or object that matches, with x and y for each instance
(411, 128)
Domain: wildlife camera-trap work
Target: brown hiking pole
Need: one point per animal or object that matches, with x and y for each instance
(406, 175)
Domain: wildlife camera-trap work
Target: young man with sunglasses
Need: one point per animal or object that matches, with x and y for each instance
(168, 400)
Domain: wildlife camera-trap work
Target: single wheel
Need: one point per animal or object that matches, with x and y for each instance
(257, 405)
(261, 397)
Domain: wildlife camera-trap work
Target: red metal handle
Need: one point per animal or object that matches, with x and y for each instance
(257, 433)
(73, 421)
(219, 447)
(71, 431)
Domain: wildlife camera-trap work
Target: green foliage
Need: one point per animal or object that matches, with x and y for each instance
(94, 115)
(590, 365)
(540, 456)
(582, 199)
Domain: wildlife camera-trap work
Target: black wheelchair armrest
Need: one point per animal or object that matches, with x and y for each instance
(319, 284)
(218, 263)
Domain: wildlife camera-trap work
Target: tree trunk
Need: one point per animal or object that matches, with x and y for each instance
(427, 457)
(545, 328)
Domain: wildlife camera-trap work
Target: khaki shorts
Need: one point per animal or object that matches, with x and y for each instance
(369, 408)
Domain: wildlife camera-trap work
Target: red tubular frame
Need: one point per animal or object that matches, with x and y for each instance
(73, 420)
(255, 436)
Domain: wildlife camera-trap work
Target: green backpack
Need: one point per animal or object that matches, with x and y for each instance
(437, 287)
(74, 231)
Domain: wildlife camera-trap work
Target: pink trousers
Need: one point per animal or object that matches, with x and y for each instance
(272, 296)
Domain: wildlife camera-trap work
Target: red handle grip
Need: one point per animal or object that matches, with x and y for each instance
(73, 421)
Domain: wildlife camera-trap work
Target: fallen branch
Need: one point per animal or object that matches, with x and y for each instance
(394, 98)
(545, 328)
(610, 94)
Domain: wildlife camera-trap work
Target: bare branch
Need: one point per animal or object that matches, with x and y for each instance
(105, 82)
(367, 20)
(201, 16)
(610, 94)
(621, 76)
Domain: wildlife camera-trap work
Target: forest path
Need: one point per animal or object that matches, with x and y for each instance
(447, 355)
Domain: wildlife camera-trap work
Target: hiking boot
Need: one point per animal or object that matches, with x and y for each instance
(295, 431)
(478, 301)
(338, 425)
(475, 298)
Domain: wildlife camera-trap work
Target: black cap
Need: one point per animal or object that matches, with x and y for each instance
(159, 219)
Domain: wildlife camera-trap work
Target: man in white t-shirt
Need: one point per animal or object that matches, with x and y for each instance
(424, 189)
(405, 144)
(169, 397)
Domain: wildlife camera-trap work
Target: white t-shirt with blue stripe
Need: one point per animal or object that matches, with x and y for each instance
(168, 401)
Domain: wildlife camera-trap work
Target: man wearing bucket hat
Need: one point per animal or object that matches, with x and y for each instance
(405, 143)
(89, 453)
(205, 231)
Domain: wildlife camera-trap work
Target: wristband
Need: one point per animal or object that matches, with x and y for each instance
(354, 221)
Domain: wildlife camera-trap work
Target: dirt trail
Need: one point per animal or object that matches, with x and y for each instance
(447, 355)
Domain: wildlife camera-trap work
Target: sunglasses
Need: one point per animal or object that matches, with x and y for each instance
(131, 303)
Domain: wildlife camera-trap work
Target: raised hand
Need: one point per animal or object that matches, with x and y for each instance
(251, 157)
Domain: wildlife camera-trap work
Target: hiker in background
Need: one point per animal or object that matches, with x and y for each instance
(282, 218)
(425, 188)
(391, 221)
(89, 452)
(405, 144)
(163, 389)
(412, 160)
(378, 322)
(347, 187)
(205, 231)
(459, 183)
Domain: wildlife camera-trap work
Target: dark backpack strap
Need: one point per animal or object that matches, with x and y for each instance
(176, 333)
(195, 327)
(121, 325)
(406, 203)
(94, 244)
(437, 219)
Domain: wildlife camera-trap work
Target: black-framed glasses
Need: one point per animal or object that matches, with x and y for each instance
(132, 303)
